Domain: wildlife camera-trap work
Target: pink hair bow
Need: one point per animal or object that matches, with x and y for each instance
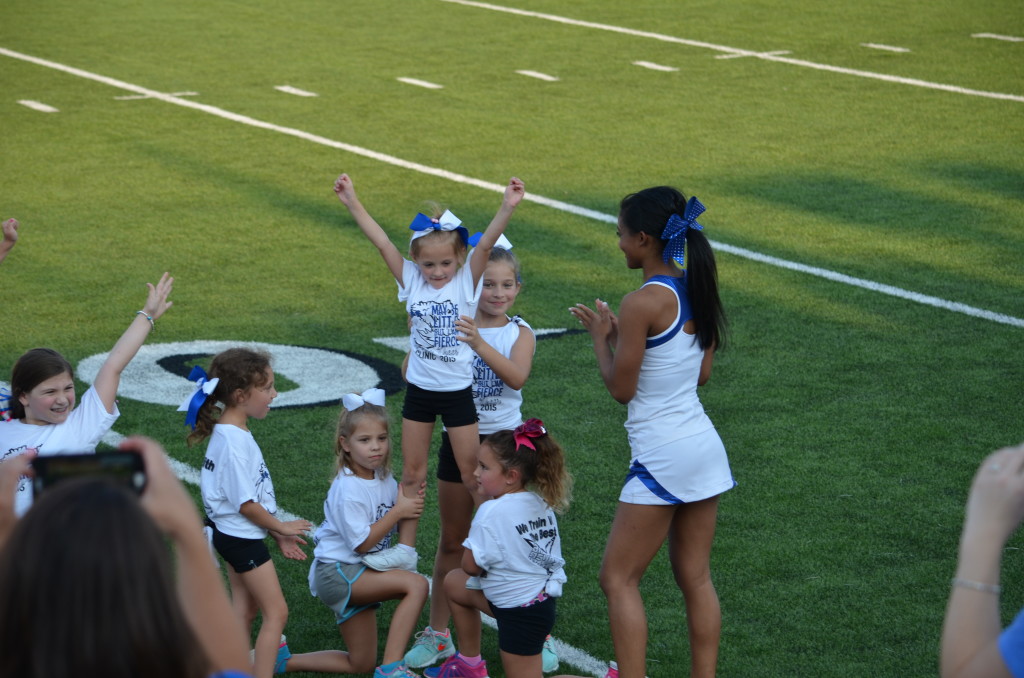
(531, 428)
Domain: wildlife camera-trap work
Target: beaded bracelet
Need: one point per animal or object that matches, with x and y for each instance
(977, 585)
(148, 317)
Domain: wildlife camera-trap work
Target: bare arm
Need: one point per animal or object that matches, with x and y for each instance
(346, 193)
(256, 514)
(10, 238)
(972, 626)
(405, 507)
(109, 376)
(705, 366)
(514, 193)
(512, 370)
(200, 588)
(619, 366)
(469, 565)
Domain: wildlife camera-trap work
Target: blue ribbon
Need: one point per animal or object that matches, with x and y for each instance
(5, 404)
(675, 232)
(422, 224)
(204, 387)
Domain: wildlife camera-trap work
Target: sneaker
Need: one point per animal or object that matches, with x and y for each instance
(473, 584)
(549, 660)
(613, 670)
(400, 671)
(456, 667)
(283, 655)
(430, 647)
(394, 558)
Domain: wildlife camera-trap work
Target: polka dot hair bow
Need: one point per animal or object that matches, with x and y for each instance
(204, 388)
(531, 428)
(353, 401)
(422, 224)
(675, 232)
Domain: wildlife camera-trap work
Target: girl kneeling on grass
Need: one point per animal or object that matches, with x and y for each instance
(361, 513)
(515, 549)
(43, 415)
(238, 495)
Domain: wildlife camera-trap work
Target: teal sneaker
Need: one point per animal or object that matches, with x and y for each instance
(430, 647)
(548, 656)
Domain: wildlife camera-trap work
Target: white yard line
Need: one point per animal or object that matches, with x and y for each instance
(500, 188)
(994, 36)
(538, 75)
(887, 48)
(655, 67)
(288, 89)
(767, 56)
(38, 106)
(420, 83)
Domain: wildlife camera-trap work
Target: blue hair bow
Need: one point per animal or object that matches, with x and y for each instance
(501, 242)
(204, 387)
(422, 224)
(5, 404)
(675, 232)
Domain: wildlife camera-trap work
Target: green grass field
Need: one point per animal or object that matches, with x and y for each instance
(854, 419)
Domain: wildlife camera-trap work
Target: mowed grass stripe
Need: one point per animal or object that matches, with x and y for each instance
(953, 306)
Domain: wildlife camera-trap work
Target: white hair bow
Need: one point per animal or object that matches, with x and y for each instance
(353, 401)
(204, 387)
(422, 224)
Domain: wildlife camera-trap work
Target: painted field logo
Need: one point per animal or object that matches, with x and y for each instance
(159, 372)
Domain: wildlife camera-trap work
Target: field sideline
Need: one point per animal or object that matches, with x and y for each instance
(862, 167)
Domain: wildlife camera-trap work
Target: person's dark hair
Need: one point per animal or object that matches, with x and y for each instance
(87, 589)
(237, 368)
(32, 369)
(648, 211)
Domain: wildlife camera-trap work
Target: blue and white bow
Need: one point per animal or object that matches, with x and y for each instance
(502, 242)
(204, 387)
(5, 404)
(675, 232)
(353, 401)
(422, 224)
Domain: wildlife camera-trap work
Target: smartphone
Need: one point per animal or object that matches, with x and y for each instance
(124, 468)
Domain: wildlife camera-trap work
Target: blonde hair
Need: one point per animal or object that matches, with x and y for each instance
(348, 420)
(451, 238)
(543, 470)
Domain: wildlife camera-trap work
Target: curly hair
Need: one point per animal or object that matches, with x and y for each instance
(542, 469)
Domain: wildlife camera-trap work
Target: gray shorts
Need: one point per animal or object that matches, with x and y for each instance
(333, 582)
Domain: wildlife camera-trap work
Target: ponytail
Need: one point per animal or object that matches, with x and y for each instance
(702, 286)
(649, 211)
(540, 461)
(237, 369)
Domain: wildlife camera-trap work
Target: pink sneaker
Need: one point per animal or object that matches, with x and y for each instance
(456, 667)
(613, 671)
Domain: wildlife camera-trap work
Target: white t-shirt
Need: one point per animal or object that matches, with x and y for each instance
(234, 473)
(497, 405)
(515, 539)
(438, 361)
(78, 434)
(353, 504)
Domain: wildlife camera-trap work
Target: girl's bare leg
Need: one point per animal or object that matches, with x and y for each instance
(692, 531)
(638, 531)
(465, 443)
(415, 448)
(466, 606)
(409, 588)
(263, 585)
(456, 509)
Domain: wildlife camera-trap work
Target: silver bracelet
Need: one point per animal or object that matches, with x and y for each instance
(977, 585)
(148, 317)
